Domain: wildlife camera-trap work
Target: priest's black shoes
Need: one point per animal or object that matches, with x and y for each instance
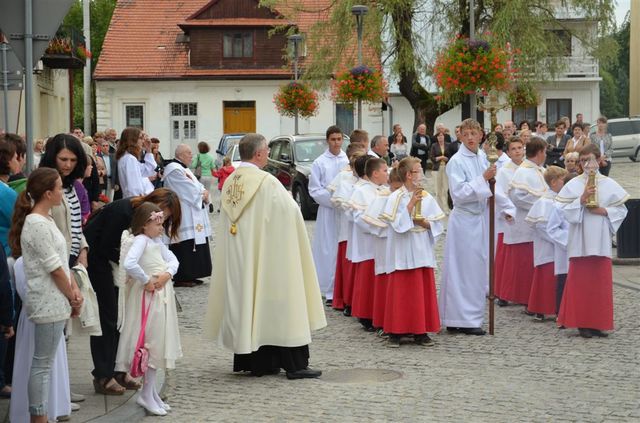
(306, 373)
(472, 331)
(585, 333)
(347, 311)
(502, 303)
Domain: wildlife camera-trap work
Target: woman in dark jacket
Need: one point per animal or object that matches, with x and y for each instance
(103, 232)
(440, 155)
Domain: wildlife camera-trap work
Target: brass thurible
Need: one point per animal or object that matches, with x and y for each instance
(592, 200)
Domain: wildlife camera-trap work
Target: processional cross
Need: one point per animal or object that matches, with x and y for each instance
(492, 104)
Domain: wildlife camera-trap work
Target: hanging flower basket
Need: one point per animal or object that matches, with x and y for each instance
(469, 66)
(523, 96)
(359, 83)
(296, 98)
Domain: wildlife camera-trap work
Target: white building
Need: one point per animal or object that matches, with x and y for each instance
(193, 70)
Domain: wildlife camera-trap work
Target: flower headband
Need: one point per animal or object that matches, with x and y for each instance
(157, 216)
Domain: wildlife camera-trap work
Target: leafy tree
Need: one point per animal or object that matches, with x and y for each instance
(100, 16)
(402, 33)
(614, 88)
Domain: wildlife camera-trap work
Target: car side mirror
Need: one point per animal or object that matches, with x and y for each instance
(285, 158)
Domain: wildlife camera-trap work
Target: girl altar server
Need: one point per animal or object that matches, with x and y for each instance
(587, 303)
(149, 266)
(411, 306)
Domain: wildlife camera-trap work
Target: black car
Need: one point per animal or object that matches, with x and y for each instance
(290, 161)
(226, 141)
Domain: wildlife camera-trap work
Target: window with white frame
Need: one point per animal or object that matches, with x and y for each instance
(184, 118)
(134, 115)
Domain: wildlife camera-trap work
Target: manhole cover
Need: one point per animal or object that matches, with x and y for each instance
(360, 376)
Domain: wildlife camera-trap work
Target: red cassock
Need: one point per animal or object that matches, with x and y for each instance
(587, 301)
(411, 305)
(542, 298)
(380, 284)
(517, 272)
(499, 266)
(338, 285)
(362, 300)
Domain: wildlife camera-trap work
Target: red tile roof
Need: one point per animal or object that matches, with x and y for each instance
(233, 22)
(141, 40)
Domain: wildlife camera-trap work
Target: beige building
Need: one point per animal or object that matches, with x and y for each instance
(634, 60)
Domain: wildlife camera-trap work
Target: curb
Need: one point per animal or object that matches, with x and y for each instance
(626, 261)
(129, 411)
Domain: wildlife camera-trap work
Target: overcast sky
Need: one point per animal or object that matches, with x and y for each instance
(622, 7)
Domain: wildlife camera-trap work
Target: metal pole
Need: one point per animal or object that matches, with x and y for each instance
(28, 81)
(359, 23)
(86, 20)
(492, 217)
(5, 85)
(473, 110)
(295, 75)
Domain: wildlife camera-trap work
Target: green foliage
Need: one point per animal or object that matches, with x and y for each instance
(296, 98)
(100, 15)
(614, 88)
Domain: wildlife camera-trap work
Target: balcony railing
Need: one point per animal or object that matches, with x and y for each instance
(572, 67)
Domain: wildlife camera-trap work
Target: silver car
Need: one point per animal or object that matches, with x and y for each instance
(625, 133)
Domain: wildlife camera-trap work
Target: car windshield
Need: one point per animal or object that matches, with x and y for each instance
(309, 150)
(231, 141)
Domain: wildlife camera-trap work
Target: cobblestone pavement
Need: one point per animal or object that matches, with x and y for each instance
(528, 371)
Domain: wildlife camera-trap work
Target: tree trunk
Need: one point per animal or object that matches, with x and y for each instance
(425, 107)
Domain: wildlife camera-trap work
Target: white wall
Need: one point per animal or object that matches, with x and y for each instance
(112, 96)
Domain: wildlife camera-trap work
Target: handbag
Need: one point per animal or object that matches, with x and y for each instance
(140, 361)
(198, 170)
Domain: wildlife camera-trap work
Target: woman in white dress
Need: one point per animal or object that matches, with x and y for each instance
(135, 177)
(59, 394)
(149, 267)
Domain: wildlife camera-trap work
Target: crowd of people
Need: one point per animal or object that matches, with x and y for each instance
(384, 225)
(103, 228)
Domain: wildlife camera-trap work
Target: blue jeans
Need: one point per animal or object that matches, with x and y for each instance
(47, 337)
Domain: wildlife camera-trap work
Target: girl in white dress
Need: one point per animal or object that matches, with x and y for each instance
(149, 267)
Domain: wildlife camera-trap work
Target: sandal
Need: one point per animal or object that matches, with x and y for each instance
(130, 384)
(106, 386)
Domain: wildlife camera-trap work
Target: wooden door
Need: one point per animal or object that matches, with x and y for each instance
(239, 117)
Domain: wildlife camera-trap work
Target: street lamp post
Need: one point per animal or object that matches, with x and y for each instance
(295, 39)
(359, 11)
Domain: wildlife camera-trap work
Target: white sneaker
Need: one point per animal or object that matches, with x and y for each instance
(149, 409)
(75, 407)
(77, 397)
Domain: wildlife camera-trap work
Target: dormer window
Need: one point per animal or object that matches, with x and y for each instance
(238, 44)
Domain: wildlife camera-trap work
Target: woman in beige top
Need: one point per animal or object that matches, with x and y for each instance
(578, 142)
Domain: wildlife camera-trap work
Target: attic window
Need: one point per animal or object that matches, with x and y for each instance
(238, 44)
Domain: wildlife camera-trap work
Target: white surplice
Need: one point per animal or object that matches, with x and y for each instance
(558, 231)
(362, 240)
(195, 214)
(538, 218)
(134, 175)
(342, 188)
(502, 160)
(348, 213)
(376, 226)
(411, 246)
(325, 238)
(590, 234)
(465, 276)
(526, 187)
(59, 403)
(504, 205)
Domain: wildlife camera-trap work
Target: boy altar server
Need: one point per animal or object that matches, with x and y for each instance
(465, 276)
(370, 223)
(587, 303)
(341, 188)
(542, 299)
(526, 187)
(361, 245)
(325, 241)
(411, 306)
(504, 215)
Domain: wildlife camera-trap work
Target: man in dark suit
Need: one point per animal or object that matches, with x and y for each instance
(420, 145)
(112, 186)
(556, 144)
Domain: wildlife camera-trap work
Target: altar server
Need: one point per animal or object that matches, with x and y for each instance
(526, 187)
(465, 276)
(542, 298)
(325, 238)
(411, 305)
(587, 303)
